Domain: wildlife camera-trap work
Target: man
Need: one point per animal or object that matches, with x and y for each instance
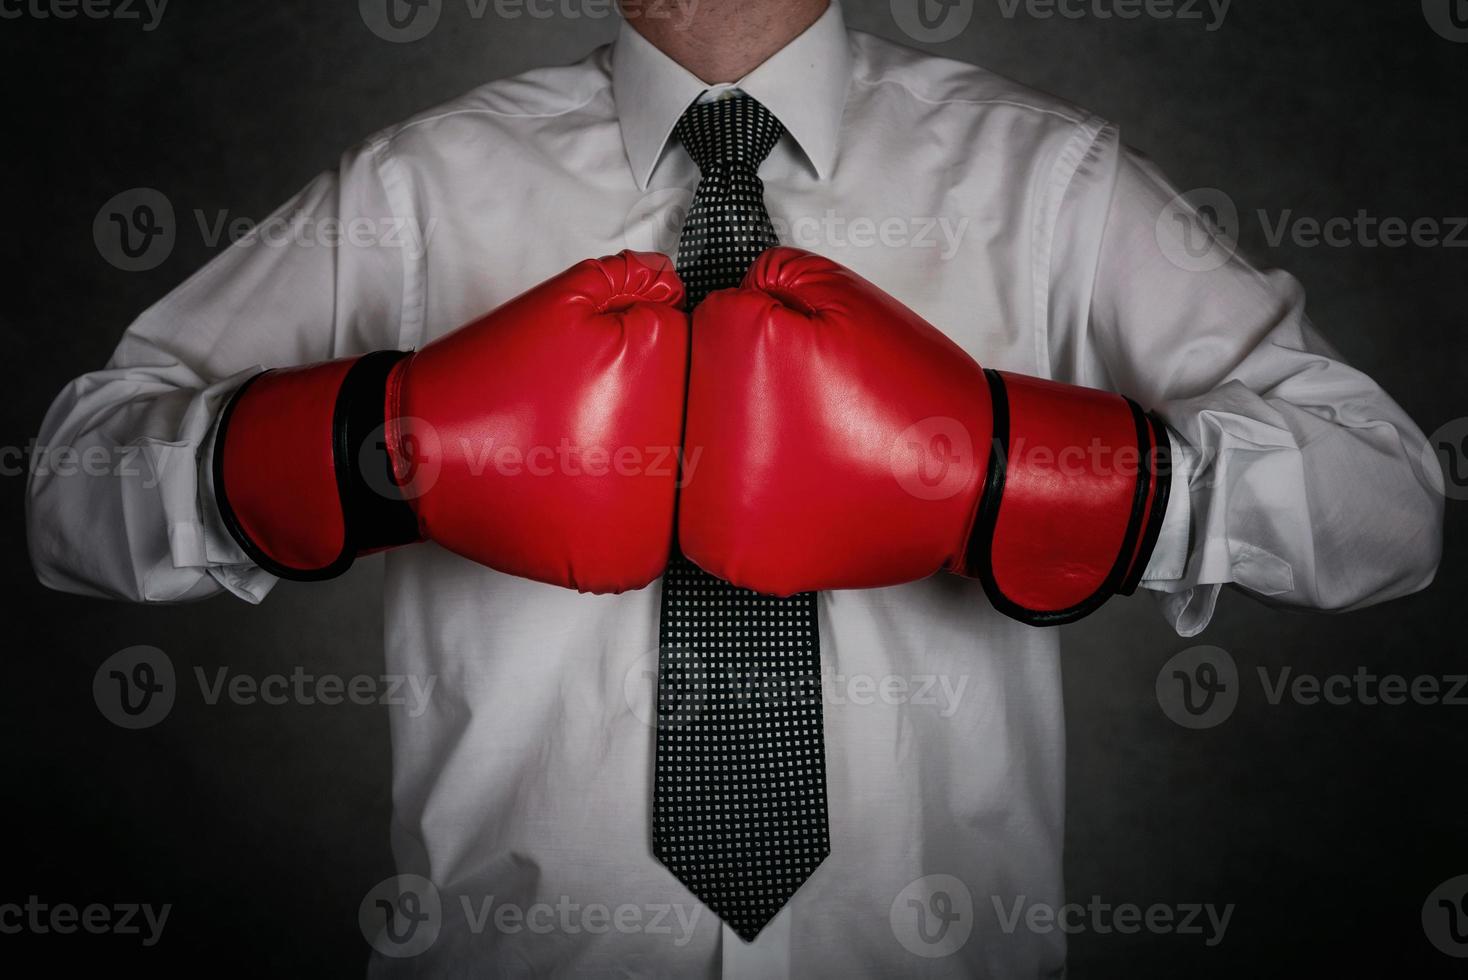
(534, 780)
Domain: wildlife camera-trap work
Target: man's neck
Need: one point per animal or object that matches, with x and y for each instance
(722, 40)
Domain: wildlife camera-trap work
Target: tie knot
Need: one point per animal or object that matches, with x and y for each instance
(728, 132)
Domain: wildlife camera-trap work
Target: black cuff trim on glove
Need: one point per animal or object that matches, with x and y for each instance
(1143, 522)
(1158, 463)
(374, 513)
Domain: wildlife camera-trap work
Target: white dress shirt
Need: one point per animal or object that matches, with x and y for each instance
(1018, 224)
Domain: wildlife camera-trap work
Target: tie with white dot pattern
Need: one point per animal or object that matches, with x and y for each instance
(739, 798)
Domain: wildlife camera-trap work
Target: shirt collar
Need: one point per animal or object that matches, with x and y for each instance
(803, 84)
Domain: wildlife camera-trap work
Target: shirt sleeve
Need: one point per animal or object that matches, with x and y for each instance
(119, 503)
(1296, 477)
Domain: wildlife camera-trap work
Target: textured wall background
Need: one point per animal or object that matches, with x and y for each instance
(1327, 826)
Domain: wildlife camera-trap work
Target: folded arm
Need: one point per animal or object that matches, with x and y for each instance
(1301, 475)
(142, 527)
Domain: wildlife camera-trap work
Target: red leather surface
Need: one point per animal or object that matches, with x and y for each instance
(1070, 482)
(540, 440)
(841, 441)
(278, 469)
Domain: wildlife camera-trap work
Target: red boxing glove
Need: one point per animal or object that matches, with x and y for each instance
(539, 440)
(845, 443)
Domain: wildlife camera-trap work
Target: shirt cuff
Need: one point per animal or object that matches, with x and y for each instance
(1169, 560)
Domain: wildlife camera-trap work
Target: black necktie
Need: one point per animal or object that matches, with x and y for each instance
(739, 798)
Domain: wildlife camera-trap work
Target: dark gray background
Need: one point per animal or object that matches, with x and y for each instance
(264, 826)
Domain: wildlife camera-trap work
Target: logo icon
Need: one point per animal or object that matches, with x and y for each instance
(135, 688)
(401, 916)
(400, 21)
(1445, 917)
(687, 687)
(1445, 460)
(135, 231)
(1199, 688)
(1449, 18)
(933, 917)
(420, 460)
(1198, 231)
(934, 459)
(655, 222)
(640, 688)
(932, 21)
